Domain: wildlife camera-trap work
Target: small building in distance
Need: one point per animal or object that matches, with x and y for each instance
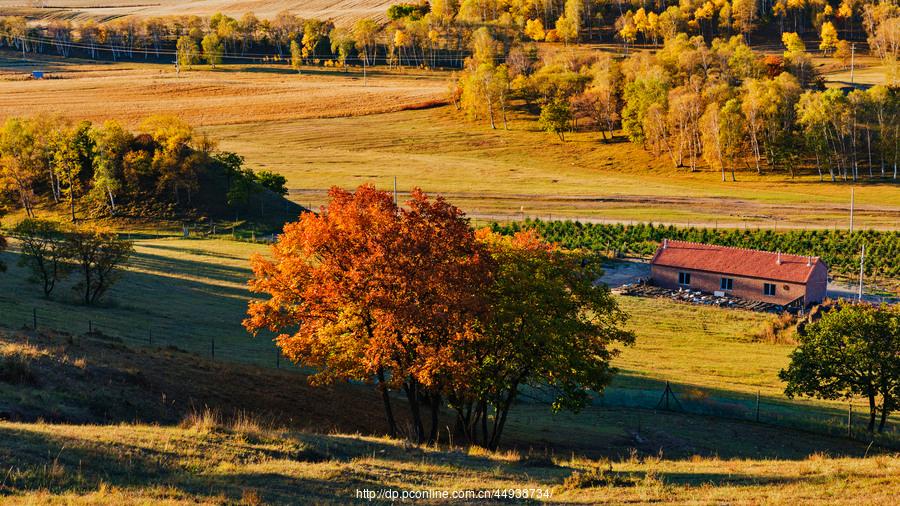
(763, 276)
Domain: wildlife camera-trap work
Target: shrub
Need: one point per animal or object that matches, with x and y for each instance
(598, 476)
(16, 369)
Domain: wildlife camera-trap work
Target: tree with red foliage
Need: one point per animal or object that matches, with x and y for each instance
(375, 293)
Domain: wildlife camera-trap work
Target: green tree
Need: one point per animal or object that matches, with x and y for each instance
(98, 255)
(556, 116)
(853, 350)
(186, 52)
(296, 56)
(568, 26)
(112, 143)
(273, 182)
(212, 49)
(342, 44)
(647, 89)
(44, 252)
(72, 157)
(547, 325)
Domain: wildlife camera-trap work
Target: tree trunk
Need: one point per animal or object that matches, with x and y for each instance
(885, 409)
(386, 398)
(411, 386)
(435, 417)
(872, 411)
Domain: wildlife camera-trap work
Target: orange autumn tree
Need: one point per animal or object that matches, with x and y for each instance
(438, 300)
(370, 292)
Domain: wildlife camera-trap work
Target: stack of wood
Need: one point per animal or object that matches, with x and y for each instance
(697, 297)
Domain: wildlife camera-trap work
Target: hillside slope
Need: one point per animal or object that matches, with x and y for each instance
(161, 425)
(61, 378)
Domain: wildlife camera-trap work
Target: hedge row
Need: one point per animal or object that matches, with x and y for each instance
(838, 248)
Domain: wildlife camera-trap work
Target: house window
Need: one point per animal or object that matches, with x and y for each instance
(769, 288)
(727, 284)
(684, 278)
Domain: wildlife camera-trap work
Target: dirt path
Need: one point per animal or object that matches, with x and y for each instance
(701, 211)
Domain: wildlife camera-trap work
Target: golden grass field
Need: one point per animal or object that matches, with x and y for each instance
(326, 127)
(142, 425)
(130, 92)
(341, 11)
(212, 463)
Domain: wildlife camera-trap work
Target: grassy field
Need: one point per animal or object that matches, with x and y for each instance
(191, 294)
(212, 464)
(244, 94)
(341, 11)
(327, 128)
(524, 172)
(157, 425)
(188, 293)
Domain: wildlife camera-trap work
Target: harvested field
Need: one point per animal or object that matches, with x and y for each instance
(341, 11)
(232, 95)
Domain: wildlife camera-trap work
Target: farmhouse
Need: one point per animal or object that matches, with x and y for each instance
(749, 274)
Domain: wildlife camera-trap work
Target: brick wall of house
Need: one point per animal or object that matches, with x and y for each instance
(817, 285)
(743, 287)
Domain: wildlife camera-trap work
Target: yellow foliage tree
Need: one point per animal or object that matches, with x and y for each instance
(534, 29)
(829, 37)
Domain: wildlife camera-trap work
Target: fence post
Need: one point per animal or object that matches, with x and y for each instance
(757, 406)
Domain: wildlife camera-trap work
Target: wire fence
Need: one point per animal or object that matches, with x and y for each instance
(156, 333)
(848, 420)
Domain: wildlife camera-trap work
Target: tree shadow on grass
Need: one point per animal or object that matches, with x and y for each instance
(221, 463)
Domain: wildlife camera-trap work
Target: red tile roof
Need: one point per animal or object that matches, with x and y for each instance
(735, 261)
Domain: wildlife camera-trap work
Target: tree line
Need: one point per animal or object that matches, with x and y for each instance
(411, 299)
(839, 249)
(719, 105)
(439, 33)
(165, 169)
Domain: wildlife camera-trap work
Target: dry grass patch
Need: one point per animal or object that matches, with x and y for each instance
(227, 96)
(343, 12)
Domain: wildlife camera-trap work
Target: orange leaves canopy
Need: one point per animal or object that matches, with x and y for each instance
(366, 285)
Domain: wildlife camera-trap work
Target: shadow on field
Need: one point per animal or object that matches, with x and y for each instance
(159, 264)
(220, 463)
(62, 463)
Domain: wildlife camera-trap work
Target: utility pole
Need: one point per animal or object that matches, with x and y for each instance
(851, 208)
(862, 261)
